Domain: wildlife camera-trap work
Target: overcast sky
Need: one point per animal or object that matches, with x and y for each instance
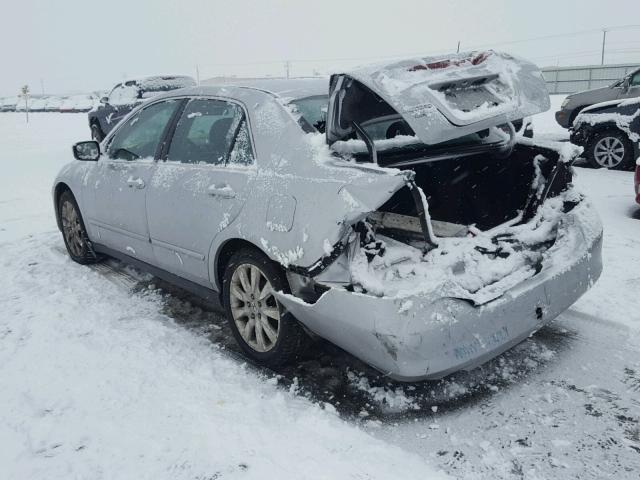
(80, 45)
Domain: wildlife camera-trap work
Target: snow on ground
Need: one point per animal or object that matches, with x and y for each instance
(98, 381)
(545, 125)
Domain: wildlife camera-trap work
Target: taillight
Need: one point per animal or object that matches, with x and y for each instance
(637, 180)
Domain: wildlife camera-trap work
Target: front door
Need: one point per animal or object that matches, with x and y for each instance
(121, 180)
(633, 89)
(198, 190)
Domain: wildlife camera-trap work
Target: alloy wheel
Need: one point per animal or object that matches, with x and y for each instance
(609, 152)
(255, 309)
(72, 229)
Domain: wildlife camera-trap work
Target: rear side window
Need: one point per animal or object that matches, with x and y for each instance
(140, 136)
(211, 131)
(635, 80)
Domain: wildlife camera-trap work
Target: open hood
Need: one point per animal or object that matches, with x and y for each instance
(440, 98)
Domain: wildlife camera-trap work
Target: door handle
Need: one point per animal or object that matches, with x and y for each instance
(221, 190)
(136, 182)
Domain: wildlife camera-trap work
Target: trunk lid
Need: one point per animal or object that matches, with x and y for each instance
(441, 98)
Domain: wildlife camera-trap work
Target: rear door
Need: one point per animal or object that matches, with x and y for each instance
(200, 187)
(120, 181)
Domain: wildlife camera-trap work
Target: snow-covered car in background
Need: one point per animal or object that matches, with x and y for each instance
(8, 104)
(419, 232)
(125, 96)
(37, 104)
(609, 133)
(53, 104)
(78, 103)
(627, 87)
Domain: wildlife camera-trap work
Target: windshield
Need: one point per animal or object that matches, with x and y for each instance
(312, 111)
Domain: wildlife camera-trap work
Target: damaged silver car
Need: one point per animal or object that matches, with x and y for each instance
(392, 211)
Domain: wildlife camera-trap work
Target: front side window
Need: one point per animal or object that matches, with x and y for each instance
(140, 136)
(207, 132)
(635, 80)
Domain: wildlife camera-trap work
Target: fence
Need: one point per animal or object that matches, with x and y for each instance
(575, 79)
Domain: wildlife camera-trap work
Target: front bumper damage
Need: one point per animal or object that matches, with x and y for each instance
(428, 335)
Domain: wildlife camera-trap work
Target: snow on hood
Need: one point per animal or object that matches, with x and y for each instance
(463, 268)
(593, 115)
(440, 94)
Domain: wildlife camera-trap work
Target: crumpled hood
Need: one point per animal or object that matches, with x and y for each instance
(446, 97)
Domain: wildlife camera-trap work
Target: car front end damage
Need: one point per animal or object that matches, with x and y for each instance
(419, 297)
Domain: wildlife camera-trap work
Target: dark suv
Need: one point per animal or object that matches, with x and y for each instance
(127, 95)
(628, 87)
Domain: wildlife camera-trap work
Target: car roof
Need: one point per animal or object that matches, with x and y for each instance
(291, 88)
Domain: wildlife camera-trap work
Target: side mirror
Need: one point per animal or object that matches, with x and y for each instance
(104, 100)
(87, 151)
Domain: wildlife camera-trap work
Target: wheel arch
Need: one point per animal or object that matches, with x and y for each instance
(59, 189)
(223, 255)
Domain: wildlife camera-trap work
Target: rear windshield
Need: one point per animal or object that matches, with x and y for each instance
(313, 112)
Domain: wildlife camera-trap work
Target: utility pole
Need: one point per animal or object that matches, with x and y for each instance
(458, 51)
(287, 66)
(604, 41)
(197, 75)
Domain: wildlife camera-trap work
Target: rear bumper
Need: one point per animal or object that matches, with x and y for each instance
(429, 336)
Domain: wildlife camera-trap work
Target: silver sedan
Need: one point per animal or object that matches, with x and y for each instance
(392, 210)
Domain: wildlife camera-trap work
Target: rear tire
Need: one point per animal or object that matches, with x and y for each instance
(265, 332)
(96, 132)
(610, 149)
(74, 232)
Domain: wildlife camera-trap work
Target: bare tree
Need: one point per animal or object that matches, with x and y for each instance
(25, 95)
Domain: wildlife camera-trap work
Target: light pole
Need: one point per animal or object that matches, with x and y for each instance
(604, 41)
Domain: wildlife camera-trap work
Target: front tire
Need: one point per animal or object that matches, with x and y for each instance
(610, 149)
(265, 332)
(74, 232)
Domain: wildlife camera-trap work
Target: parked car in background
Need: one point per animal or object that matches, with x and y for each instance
(8, 104)
(53, 104)
(78, 103)
(628, 87)
(470, 241)
(38, 104)
(609, 133)
(126, 96)
(21, 105)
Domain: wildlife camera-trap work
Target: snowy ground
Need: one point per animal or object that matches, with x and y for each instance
(108, 373)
